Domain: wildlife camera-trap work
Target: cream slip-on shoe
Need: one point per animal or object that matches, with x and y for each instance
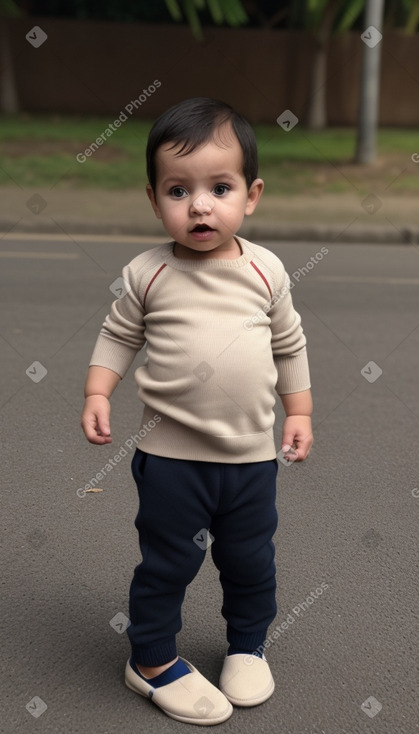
(191, 698)
(246, 680)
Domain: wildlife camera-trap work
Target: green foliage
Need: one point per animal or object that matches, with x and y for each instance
(190, 8)
(348, 15)
(174, 9)
(412, 22)
(402, 14)
(9, 9)
(310, 14)
(229, 11)
(315, 10)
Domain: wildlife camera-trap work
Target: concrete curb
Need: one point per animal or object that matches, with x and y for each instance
(256, 230)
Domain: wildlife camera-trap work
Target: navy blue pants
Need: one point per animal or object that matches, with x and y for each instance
(180, 501)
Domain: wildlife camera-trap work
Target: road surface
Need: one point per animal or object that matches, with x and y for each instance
(345, 652)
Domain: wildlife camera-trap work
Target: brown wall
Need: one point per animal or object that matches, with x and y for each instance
(99, 67)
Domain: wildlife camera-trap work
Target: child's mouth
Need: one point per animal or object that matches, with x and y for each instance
(202, 232)
(202, 228)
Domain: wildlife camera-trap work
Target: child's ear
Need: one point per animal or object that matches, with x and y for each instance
(151, 195)
(253, 195)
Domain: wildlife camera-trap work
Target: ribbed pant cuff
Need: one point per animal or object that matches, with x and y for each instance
(251, 642)
(156, 654)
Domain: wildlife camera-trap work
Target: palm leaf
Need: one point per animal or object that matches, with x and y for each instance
(174, 9)
(231, 12)
(193, 19)
(315, 10)
(348, 15)
(216, 13)
(413, 17)
(235, 13)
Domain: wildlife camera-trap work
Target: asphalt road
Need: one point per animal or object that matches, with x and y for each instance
(345, 658)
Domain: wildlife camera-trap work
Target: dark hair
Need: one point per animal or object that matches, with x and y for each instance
(191, 123)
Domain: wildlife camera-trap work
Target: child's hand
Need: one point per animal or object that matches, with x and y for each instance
(297, 434)
(95, 419)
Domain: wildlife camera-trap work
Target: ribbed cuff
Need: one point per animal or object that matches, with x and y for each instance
(112, 354)
(157, 654)
(293, 373)
(242, 641)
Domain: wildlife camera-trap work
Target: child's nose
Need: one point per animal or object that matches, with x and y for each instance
(203, 204)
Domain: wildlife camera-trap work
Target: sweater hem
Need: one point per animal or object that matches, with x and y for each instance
(175, 441)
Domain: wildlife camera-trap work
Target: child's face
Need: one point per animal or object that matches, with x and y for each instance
(202, 197)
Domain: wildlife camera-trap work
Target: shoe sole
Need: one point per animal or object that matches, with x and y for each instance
(177, 717)
(243, 703)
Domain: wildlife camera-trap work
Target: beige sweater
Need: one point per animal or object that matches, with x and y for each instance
(222, 338)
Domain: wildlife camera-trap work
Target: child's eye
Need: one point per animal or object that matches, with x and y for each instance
(178, 192)
(221, 189)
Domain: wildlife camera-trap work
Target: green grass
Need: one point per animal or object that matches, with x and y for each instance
(299, 161)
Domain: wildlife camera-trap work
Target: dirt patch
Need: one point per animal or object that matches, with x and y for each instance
(32, 147)
(386, 172)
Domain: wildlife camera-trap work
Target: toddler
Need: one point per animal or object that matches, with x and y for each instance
(222, 340)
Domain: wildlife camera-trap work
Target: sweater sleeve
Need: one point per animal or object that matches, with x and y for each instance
(122, 334)
(288, 340)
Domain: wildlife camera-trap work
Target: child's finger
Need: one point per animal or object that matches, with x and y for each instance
(94, 432)
(101, 415)
(304, 448)
(288, 442)
(103, 427)
(289, 451)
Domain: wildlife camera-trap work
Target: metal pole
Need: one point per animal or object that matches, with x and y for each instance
(370, 82)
